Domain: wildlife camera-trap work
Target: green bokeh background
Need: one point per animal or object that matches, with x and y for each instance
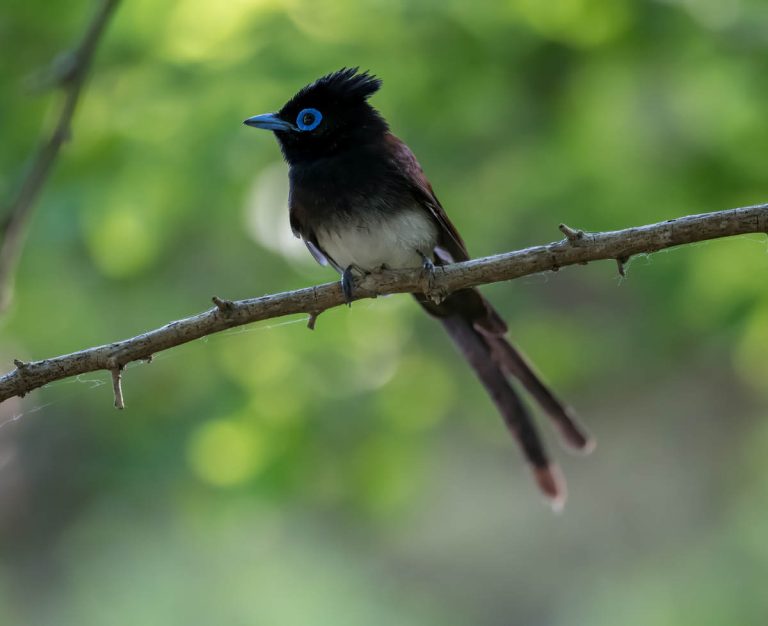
(357, 474)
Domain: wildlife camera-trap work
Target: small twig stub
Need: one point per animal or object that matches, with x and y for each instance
(573, 235)
(225, 306)
(117, 388)
(312, 319)
(621, 265)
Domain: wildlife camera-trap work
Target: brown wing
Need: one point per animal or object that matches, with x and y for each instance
(469, 303)
(405, 163)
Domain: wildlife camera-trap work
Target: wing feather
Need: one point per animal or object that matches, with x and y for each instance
(405, 164)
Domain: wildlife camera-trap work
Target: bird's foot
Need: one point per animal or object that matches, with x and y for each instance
(427, 273)
(436, 295)
(348, 282)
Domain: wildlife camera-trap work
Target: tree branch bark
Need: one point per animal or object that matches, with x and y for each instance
(578, 247)
(71, 75)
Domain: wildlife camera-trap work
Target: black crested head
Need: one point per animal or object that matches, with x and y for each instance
(347, 84)
(326, 117)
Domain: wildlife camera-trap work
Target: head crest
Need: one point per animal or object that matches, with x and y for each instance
(344, 84)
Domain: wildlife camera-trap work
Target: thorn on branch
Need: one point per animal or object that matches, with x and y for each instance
(117, 370)
(621, 265)
(117, 387)
(570, 234)
(312, 320)
(224, 306)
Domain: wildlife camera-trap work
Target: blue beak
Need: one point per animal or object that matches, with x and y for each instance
(269, 121)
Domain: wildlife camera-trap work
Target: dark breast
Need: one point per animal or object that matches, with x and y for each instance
(346, 187)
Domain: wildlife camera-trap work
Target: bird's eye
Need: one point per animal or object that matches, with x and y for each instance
(309, 119)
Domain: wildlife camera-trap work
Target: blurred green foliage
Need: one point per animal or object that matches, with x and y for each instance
(357, 474)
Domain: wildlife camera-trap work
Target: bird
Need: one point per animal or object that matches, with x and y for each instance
(360, 202)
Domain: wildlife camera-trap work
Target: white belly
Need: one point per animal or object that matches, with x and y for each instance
(396, 242)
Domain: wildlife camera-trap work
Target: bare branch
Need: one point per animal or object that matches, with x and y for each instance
(17, 217)
(620, 244)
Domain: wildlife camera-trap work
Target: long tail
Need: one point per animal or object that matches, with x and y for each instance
(478, 331)
(515, 364)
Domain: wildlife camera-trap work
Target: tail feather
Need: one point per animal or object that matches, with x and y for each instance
(478, 331)
(476, 349)
(515, 364)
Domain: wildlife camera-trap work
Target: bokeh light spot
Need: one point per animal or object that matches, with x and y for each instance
(211, 31)
(225, 453)
(120, 242)
(584, 23)
(421, 393)
(266, 214)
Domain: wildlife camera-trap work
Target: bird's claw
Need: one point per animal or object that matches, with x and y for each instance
(428, 280)
(347, 284)
(427, 273)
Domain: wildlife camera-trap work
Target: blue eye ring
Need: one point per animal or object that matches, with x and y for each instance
(308, 119)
